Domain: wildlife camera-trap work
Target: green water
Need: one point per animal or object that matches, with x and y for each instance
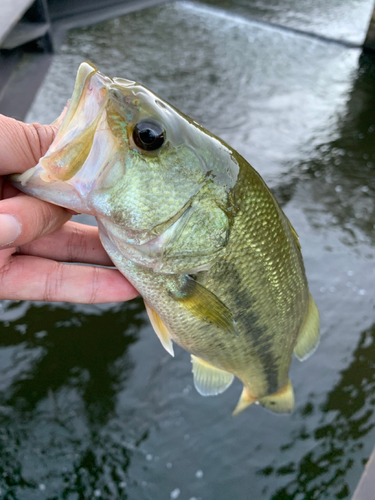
(91, 406)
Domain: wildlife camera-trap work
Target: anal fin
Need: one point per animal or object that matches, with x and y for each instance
(281, 401)
(245, 400)
(160, 329)
(209, 380)
(308, 337)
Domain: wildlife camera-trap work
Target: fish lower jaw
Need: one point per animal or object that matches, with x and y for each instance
(34, 183)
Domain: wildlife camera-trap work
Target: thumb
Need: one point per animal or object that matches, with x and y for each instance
(22, 144)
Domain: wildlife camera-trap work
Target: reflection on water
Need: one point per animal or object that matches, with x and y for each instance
(340, 172)
(338, 19)
(61, 370)
(81, 353)
(348, 417)
(90, 404)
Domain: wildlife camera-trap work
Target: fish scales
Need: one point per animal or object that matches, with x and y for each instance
(193, 227)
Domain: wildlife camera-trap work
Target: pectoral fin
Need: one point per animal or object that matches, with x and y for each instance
(308, 338)
(160, 329)
(209, 380)
(205, 305)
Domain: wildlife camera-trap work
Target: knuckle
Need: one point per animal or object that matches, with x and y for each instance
(54, 283)
(48, 218)
(94, 286)
(76, 245)
(5, 269)
(39, 138)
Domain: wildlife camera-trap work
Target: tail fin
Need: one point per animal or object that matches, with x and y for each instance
(280, 402)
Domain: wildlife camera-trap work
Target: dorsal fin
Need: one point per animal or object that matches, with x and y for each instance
(205, 305)
(160, 329)
(209, 380)
(308, 338)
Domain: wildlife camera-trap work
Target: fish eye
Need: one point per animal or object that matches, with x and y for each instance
(148, 134)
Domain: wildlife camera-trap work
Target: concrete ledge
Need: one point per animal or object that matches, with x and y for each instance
(366, 486)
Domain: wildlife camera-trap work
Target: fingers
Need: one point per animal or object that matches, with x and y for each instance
(73, 242)
(22, 144)
(33, 278)
(24, 219)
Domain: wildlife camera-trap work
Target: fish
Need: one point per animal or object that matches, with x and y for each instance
(193, 227)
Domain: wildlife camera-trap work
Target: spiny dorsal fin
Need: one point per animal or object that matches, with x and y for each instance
(205, 305)
(280, 402)
(245, 400)
(209, 380)
(160, 329)
(308, 338)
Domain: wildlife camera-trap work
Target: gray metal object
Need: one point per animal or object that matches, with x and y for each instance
(25, 32)
(11, 13)
(24, 22)
(370, 38)
(31, 30)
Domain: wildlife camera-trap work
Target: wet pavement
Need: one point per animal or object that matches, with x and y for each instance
(336, 19)
(91, 406)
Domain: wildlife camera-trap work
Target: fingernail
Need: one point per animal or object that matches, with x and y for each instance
(10, 229)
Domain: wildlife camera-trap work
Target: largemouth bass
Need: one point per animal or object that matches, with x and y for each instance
(193, 227)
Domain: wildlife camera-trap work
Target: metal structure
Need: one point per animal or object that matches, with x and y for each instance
(31, 30)
(370, 37)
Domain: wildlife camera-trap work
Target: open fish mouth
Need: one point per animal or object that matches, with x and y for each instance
(75, 137)
(83, 147)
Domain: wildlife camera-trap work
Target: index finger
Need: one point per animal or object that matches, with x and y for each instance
(72, 242)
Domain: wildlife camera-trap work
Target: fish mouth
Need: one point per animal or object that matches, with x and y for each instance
(85, 71)
(83, 147)
(72, 150)
(74, 139)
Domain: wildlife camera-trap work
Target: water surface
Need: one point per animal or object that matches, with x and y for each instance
(91, 406)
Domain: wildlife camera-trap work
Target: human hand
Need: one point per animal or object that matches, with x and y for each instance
(36, 237)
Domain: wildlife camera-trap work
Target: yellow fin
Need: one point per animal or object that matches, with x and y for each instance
(308, 337)
(245, 400)
(205, 305)
(209, 380)
(280, 402)
(160, 329)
